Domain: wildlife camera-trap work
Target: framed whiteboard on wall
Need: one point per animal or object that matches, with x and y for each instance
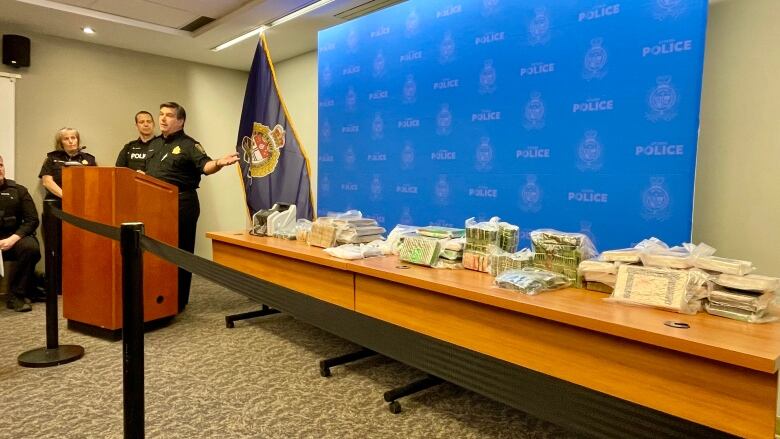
(8, 121)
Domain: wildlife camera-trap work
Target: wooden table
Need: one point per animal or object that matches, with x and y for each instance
(620, 368)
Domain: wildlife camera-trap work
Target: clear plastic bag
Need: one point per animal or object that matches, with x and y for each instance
(502, 261)
(420, 250)
(561, 252)
(724, 265)
(632, 255)
(441, 232)
(629, 255)
(531, 281)
(394, 240)
(739, 314)
(323, 233)
(302, 228)
(354, 251)
(675, 257)
(745, 300)
(674, 290)
(750, 282)
(482, 237)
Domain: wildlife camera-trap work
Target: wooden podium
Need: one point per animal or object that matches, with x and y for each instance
(92, 264)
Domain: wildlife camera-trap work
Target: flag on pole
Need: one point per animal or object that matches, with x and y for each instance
(274, 166)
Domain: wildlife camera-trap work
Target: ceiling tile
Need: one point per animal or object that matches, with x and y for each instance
(145, 11)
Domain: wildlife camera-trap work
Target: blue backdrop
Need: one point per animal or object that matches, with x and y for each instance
(579, 115)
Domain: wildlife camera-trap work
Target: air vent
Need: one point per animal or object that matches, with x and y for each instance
(366, 8)
(197, 24)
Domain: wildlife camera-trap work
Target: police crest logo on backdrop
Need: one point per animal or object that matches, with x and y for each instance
(407, 156)
(664, 9)
(589, 152)
(595, 60)
(444, 121)
(662, 100)
(530, 195)
(539, 28)
(534, 112)
(656, 200)
(487, 78)
(441, 191)
(484, 155)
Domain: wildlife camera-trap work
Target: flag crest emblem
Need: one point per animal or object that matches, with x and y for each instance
(262, 149)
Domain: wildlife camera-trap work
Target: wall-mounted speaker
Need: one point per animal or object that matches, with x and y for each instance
(16, 50)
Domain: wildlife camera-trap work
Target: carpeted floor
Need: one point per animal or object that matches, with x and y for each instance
(258, 380)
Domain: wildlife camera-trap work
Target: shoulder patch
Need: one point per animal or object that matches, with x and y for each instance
(200, 148)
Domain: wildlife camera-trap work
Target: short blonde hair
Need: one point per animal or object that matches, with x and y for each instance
(61, 133)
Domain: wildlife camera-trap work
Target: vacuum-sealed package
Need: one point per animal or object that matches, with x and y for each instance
(561, 252)
(674, 290)
(420, 250)
(531, 281)
(750, 282)
(724, 265)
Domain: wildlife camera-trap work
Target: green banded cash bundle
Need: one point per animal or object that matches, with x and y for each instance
(481, 240)
(502, 261)
(485, 238)
(420, 250)
(561, 252)
(508, 237)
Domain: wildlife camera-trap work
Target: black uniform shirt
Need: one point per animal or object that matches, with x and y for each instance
(133, 155)
(55, 161)
(18, 214)
(177, 159)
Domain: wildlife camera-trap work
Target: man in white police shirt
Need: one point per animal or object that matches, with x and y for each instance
(18, 221)
(177, 158)
(133, 154)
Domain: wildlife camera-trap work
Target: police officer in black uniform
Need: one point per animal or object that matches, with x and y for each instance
(179, 159)
(18, 221)
(67, 152)
(133, 154)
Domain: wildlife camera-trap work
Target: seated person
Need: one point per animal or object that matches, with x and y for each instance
(18, 221)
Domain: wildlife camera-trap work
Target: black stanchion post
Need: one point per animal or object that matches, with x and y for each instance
(52, 229)
(133, 328)
(53, 354)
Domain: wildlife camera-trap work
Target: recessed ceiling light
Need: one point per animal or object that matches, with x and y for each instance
(88, 30)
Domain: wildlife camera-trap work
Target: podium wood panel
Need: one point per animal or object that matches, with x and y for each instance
(92, 264)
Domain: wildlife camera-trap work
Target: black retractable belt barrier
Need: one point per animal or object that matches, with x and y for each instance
(584, 410)
(54, 353)
(133, 328)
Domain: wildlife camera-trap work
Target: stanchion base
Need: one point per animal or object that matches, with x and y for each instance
(43, 357)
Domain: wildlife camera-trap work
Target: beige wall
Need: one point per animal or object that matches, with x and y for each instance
(98, 89)
(737, 200)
